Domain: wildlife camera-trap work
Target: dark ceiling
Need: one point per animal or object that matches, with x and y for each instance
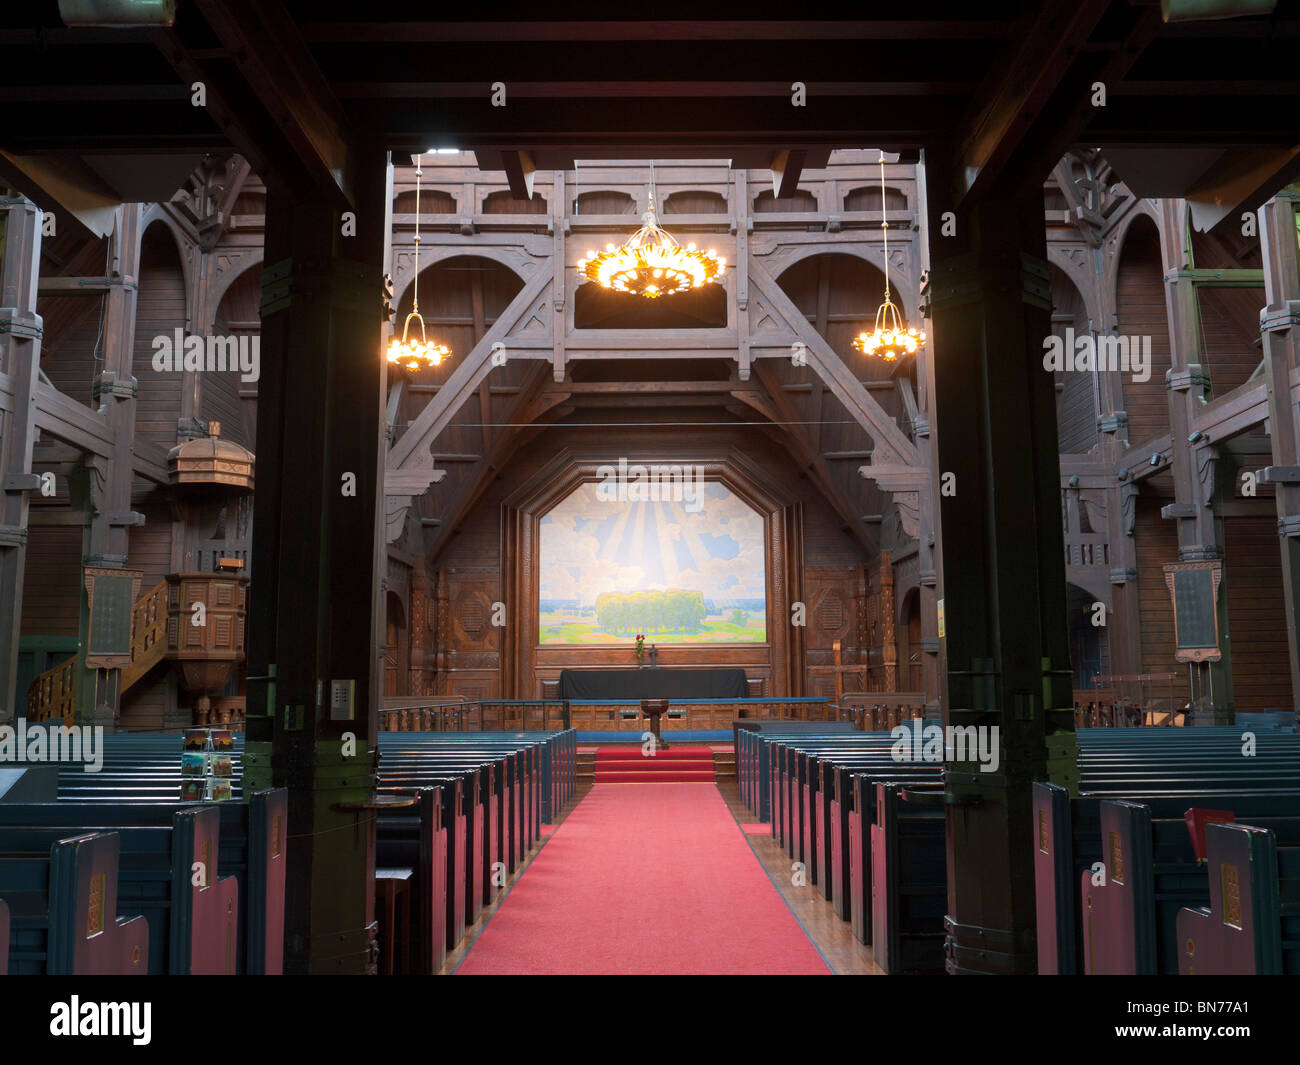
(1003, 87)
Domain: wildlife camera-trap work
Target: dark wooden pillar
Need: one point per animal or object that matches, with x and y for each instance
(314, 686)
(1002, 551)
(20, 360)
(1280, 325)
(106, 542)
(1195, 507)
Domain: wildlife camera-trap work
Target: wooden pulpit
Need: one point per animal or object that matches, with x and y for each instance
(655, 709)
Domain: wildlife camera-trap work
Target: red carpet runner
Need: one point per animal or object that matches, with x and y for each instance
(625, 764)
(645, 881)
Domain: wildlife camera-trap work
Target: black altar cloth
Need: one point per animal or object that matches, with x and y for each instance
(653, 683)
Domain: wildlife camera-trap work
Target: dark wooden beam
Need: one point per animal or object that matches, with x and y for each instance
(1041, 54)
(283, 80)
(787, 166)
(519, 170)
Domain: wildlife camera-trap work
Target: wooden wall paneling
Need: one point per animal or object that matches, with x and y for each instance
(161, 311)
(52, 585)
(1257, 614)
(1141, 311)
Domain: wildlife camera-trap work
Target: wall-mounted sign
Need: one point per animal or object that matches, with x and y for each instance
(1194, 588)
(110, 595)
(941, 624)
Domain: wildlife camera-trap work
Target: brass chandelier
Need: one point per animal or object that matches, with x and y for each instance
(891, 338)
(410, 353)
(651, 263)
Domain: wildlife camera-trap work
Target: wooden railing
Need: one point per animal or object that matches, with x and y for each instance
(53, 694)
(601, 715)
(1130, 700)
(881, 711)
(148, 634)
(431, 714)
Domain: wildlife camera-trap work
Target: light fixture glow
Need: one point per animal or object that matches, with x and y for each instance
(891, 338)
(651, 263)
(409, 353)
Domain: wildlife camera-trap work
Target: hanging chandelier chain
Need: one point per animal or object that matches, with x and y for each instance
(415, 297)
(884, 223)
(891, 338)
(406, 353)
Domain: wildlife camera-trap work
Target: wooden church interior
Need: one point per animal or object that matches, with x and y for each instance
(346, 569)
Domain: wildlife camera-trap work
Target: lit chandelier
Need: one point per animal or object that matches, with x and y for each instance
(409, 353)
(651, 263)
(890, 338)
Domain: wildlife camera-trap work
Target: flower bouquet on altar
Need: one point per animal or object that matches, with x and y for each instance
(640, 647)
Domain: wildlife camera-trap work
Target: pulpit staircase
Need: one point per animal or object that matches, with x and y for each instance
(52, 695)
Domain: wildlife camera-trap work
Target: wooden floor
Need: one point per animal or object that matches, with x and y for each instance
(833, 937)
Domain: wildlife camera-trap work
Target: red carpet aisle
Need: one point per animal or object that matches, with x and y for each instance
(645, 880)
(625, 764)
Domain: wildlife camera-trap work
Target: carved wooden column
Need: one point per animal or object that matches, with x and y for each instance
(416, 635)
(1003, 563)
(889, 646)
(934, 678)
(114, 390)
(441, 621)
(1195, 509)
(314, 683)
(20, 359)
(1280, 325)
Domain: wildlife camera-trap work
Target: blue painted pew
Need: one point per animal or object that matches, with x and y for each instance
(160, 844)
(415, 838)
(1252, 924)
(908, 879)
(1133, 928)
(61, 914)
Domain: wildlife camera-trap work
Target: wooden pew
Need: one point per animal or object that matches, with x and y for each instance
(160, 842)
(1070, 837)
(61, 911)
(1151, 873)
(416, 838)
(495, 790)
(908, 879)
(1252, 923)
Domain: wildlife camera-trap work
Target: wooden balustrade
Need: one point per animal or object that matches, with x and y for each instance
(148, 634)
(52, 695)
(881, 711)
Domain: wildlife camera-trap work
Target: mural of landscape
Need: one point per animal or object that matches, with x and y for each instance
(613, 568)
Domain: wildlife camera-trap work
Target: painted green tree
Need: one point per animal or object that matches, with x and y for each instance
(650, 612)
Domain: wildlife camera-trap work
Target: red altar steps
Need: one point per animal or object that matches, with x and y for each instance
(625, 764)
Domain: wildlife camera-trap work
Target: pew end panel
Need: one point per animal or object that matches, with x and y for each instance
(86, 935)
(1119, 929)
(268, 816)
(1240, 933)
(1054, 895)
(205, 918)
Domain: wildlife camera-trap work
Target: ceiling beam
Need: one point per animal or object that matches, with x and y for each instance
(787, 166)
(1041, 54)
(520, 172)
(284, 82)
